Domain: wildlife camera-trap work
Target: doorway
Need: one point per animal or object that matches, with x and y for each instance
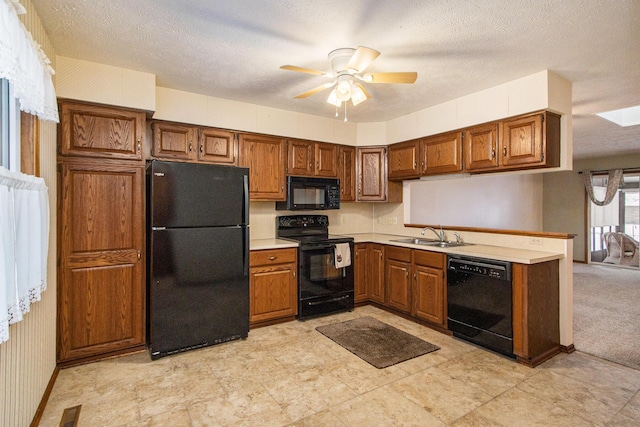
(614, 229)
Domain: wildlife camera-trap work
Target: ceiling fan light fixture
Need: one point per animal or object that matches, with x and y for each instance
(333, 98)
(343, 89)
(358, 95)
(367, 78)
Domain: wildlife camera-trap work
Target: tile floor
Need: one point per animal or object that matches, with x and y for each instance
(291, 375)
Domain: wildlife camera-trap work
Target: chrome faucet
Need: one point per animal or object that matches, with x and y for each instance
(440, 234)
(458, 238)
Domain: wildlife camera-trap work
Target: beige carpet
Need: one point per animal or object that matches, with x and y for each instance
(375, 342)
(606, 317)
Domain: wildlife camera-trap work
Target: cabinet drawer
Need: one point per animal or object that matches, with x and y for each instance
(272, 256)
(399, 254)
(429, 259)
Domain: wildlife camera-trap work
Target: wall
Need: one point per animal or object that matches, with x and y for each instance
(28, 359)
(564, 198)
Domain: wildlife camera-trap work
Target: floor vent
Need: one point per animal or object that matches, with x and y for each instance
(70, 416)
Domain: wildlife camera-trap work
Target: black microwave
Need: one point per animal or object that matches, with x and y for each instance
(307, 194)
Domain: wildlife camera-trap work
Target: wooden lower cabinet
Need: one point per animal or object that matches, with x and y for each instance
(398, 274)
(273, 285)
(429, 287)
(369, 272)
(101, 223)
(536, 312)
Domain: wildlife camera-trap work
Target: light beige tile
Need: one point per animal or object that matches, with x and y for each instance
(178, 417)
(445, 397)
(321, 419)
(383, 407)
(517, 408)
(110, 409)
(595, 403)
(304, 393)
(362, 377)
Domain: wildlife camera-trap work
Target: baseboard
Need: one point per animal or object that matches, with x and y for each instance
(45, 398)
(567, 348)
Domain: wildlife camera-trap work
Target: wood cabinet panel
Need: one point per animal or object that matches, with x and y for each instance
(441, 153)
(360, 271)
(174, 141)
(428, 294)
(372, 166)
(217, 146)
(481, 147)
(300, 157)
(347, 173)
(273, 285)
(101, 267)
(521, 140)
(403, 160)
(376, 280)
(265, 158)
(89, 130)
(398, 285)
(326, 160)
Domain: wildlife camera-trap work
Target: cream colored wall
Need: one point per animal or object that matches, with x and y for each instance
(564, 198)
(28, 359)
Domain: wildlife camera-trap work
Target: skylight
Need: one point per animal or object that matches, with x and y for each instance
(624, 117)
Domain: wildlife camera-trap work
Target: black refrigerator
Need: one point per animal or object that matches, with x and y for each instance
(198, 255)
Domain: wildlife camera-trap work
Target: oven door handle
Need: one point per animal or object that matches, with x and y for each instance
(316, 247)
(329, 300)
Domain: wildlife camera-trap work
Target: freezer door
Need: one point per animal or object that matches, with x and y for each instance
(198, 288)
(197, 195)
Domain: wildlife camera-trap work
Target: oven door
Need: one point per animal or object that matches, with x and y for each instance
(323, 288)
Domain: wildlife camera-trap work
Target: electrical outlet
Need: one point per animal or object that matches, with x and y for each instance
(536, 241)
(390, 220)
(395, 220)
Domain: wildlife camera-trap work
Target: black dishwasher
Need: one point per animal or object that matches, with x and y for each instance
(479, 302)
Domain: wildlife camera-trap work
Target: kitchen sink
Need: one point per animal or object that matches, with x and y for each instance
(430, 242)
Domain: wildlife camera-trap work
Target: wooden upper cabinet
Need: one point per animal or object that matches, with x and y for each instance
(326, 156)
(481, 147)
(309, 158)
(89, 130)
(441, 153)
(403, 160)
(372, 174)
(174, 141)
(217, 146)
(265, 158)
(531, 140)
(347, 173)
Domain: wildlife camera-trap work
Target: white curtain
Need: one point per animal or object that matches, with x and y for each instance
(613, 184)
(24, 65)
(24, 243)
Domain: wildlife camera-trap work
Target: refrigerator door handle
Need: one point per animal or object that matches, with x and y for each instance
(246, 199)
(247, 245)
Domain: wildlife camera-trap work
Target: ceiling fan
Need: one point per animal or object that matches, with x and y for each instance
(347, 74)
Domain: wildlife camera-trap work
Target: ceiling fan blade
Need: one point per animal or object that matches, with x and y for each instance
(315, 90)
(303, 70)
(362, 57)
(399, 77)
(366, 94)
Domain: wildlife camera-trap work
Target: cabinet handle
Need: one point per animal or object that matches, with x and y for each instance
(493, 153)
(294, 273)
(202, 148)
(139, 145)
(407, 274)
(415, 276)
(380, 255)
(318, 165)
(273, 258)
(504, 151)
(138, 256)
(190, 147)
(282, 188)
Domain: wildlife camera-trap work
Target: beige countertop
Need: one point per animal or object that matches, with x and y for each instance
(522, 256)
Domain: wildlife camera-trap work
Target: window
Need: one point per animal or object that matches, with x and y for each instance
(9, 128)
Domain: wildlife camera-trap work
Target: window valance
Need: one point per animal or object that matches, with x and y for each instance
(24, 65)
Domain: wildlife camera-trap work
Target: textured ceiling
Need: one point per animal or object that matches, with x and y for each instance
(233, 49)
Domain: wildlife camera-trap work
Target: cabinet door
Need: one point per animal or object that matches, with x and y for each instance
(265, 158)
(481, 147)
(217, 146)
(326, 158)
(273, 292)
(398, 285)
(376, 279)
(347, 173)
(174, 141)
(441, 154)
(300, 157)
(97, 131)
(101, 267)
(372, 174)
(360, 267)
(428, 303)
(521, 140)
(403, 160)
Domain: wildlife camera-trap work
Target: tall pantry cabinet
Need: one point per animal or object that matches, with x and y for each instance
(101, 229)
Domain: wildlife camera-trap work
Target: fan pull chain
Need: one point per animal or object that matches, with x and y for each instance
(336, 111)
(345, 112)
